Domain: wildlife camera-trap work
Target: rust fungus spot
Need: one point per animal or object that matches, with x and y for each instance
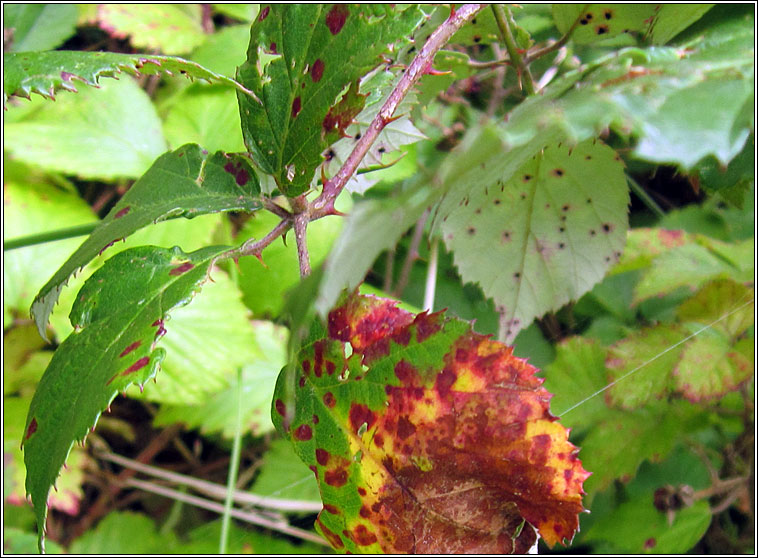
(333, 538)
(306, 366)
(280, 407)
(264, 13)
(601, 29)
(405, 428)
(317, 70)
(336, 18)
(361, 491)
(471, 230)
(561, 245)
(272, 48)
(566, 207)
(444, 382)
(608, 14)
(526, 177)
(130, 348)
(315, 419)
(123, 212)
(238, 171)
(141, 363)
(336, 477)
(329, 400)
(507, 236)
(592, 232)
(557, 172)
(296, 106)
(607, 227)
(362, 536)
(332, 509)
(183, 268)
(497, 202)
(303, 433)
(360, 414)
(322, 456)
(517, 275)
(365, 512)
(31, 429)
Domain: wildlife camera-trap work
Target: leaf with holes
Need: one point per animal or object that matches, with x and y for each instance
(119, 316)
(550, 232)
(301, 62)
(48, 72)
(427, 437)
(184, 183)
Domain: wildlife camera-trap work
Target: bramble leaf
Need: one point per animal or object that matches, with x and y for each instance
(184, 183)
(304, 62)
(427, 437)
(29, 27)
(559, 222)
(47, 72)
(119, 317)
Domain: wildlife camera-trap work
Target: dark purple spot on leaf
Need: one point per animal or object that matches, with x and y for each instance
(296, 106)
(336, 18)
(183, 268)
(264, 13)
(362, 536)
(239, 172)
(272, 48)
(329, 400)
(405, 428)
(331, 509)
(445, 381)
(360, 414)
(141, 363)
(65, 76)
(336, 477)
(322, 456)
(123, 212)
(280, 407)
(364, 512)
(315, 419)
(333, 538)
(303, 433)
(31, 429)
(317, 70)
(130, 348)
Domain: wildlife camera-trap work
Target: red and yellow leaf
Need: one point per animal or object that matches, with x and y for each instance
(427, 437)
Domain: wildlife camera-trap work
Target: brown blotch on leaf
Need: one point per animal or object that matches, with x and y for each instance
(557, 172)
(31, 429)
(336, 18)
(303, 433)
(336, 477)
(607, 227)
(566, 207)
(122, 212)
(183, 268)
(334, 510)
(445, 381)
(471, 230)
(296, 106)
(333, 538)
(362, 536)
(264, 13)
(506, 236)
(141, 363)
(608, 14)
(280, 407)
(130, 348)
(405, 428)
(239, 173)
(601, 29)
(317, 70)
(329, 400)
(360, 415)
(322, 456)
(526, 177)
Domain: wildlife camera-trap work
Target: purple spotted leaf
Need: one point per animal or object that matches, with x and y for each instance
(543, 235)
(46, 73)
(426, 437)
(119, 316)
(186, 182)
(301, 62)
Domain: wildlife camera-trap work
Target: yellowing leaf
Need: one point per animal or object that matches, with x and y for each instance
(427, 437)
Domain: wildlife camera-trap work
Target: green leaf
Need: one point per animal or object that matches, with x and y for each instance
(577, 372)
(551, 230)
(198, 385)
(420, 432)
(48, 72)
(717, 299)
(371, 227)
(168, 28)
(662, 95)
(242, 12)
(649, 433)
(642, 365)
(644, 244)
(37, 26)
(207, 116)
(187, 182)
(106, 134)
(283, 475)
(29, 209)
(598, 22)
(125, 533)
(119, 315)
(263, 286)
(16, 541)
(224, 51)
(300, 61)
(709, 367)
(672, 19)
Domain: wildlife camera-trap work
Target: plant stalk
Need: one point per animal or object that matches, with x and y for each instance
(504, 19)
(234, 462)
(50, 236)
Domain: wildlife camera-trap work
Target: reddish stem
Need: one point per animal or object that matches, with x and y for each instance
(324, 204)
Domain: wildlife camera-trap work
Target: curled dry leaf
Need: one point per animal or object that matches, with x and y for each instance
(427, 437)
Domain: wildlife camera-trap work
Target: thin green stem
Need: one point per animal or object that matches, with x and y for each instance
(504, 20)
(645, 198)
(231, 481)
(50, 236)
